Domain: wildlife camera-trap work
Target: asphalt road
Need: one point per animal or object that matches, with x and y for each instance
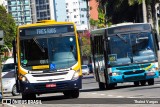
(125, 94)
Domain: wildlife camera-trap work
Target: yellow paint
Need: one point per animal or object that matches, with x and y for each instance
(40, 67)
(147, 68)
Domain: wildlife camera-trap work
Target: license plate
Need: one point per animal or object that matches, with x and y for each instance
(50, 85)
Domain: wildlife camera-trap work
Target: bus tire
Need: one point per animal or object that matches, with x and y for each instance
(111, 86)
(28, 96)
(136, 83)
(143, 82)
(101, 85)
(75, 93)
(67, 94)
(151, 81)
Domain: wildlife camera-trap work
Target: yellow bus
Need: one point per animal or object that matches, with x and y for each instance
(48, 59)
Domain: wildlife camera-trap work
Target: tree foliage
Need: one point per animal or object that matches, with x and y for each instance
(86, 48)
(7, 24)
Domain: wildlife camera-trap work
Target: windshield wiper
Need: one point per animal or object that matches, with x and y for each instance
(38, 44)
(118, 35)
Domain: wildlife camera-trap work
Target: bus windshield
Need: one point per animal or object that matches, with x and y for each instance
(58, 51)
(138, 48)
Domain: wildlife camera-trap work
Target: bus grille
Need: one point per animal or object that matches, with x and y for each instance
(43, 87)
(134, 72)
(134, 78)
(133, 67)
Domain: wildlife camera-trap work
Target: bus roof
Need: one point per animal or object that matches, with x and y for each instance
(123, 27)
(45, 23)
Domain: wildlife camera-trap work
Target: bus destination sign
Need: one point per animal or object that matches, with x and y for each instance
(47, 30)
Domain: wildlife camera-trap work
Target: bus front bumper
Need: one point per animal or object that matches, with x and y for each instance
(132, 78)
(51, 87)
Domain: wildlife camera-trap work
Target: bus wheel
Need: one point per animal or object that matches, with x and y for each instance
(111, 86)
(27, 96)
(75, 93)
(101, 85)
(151, 82)
(143, 82)
(67, 94)
(136, 83)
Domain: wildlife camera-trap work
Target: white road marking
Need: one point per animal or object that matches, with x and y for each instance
(102, 94)
(109, 95)
(120, 96)
(93, 93)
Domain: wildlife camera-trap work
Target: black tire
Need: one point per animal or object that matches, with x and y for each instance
(14, 91)
(143, 82)
(136, 83)
(71, 93)
(151, 82)
(101, 85)
(75, 93)
(111, 86)
(28, 96)
(67, 94)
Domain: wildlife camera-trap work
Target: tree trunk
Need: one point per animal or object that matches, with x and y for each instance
(149, 14)
(154, 13)
(144, 11)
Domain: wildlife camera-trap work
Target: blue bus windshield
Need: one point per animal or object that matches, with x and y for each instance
(131, 48)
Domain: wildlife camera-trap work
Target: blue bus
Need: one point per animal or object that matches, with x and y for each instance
(125, 53)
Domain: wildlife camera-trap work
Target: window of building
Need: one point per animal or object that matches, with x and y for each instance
(74, 10)
(67, 10)
(82, 22)
(75, 16)
(82, 15)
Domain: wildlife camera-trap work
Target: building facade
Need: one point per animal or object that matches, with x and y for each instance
(76, 11)
(20, 11)
(93, 4)
(31, 11)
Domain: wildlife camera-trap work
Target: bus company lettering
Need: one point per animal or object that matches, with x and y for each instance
(46, 31)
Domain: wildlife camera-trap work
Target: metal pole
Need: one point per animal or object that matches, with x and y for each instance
(1, 76)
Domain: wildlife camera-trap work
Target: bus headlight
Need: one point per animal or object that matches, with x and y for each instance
(75, 75)
(115, 73)
(24, 79)
(152, 70)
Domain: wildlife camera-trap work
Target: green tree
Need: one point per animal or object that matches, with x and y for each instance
(86, 49)
(7, 24)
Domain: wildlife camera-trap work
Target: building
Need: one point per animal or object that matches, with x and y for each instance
(43, 10)
(93, 4)
(20, 11)
(31, 11)
(3, 2)
(77, 12)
